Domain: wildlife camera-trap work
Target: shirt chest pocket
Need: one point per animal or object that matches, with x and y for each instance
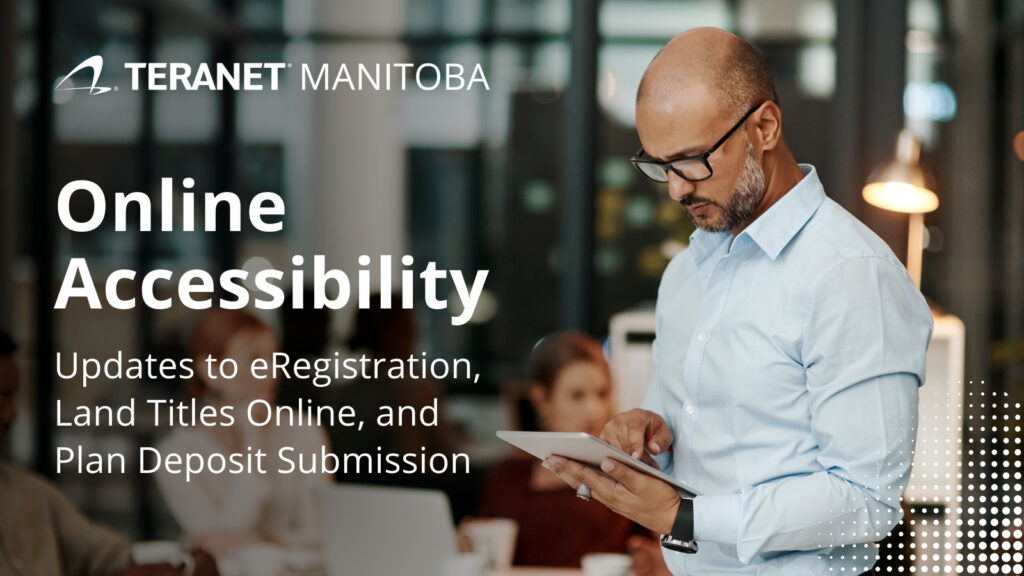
(676, 321)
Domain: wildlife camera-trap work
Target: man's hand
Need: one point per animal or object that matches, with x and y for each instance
(638, 433)
(627, 492)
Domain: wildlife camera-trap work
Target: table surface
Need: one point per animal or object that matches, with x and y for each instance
(523, 571)
(235, 565)
(233, 568)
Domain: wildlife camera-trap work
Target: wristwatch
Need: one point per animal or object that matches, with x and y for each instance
(680, 539)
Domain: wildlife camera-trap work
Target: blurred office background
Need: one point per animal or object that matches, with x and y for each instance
(530, 180)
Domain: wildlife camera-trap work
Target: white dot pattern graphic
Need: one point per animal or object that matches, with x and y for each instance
(965, 492)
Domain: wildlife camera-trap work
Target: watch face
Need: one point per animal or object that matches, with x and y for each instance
(684, 546)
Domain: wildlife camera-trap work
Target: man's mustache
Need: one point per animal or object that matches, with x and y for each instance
(691, 200)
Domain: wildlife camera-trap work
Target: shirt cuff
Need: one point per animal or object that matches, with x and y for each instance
(716, 518)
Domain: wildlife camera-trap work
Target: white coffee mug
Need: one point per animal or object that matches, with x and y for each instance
(495, 538)
(607, 564)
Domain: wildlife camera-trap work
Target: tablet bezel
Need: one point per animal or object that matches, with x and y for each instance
(584, 448)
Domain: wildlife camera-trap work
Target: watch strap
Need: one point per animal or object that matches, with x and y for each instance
(680, 539)
(682, 527)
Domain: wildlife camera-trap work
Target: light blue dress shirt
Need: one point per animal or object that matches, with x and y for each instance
(787, 365)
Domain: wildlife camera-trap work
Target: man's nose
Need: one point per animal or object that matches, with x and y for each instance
(679, 187)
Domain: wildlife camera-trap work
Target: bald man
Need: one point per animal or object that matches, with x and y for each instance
(789, 349)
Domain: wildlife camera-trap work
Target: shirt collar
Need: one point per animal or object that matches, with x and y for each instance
(774, 229)
(702, 243)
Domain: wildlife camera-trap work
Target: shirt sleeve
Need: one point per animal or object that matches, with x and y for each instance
(867, 331)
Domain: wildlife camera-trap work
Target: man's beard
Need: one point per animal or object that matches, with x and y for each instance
(743, 201)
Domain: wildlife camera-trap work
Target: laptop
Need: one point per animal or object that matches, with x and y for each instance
(377, 531)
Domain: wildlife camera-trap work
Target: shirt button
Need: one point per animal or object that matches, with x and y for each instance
(703, 337)
(689, 409)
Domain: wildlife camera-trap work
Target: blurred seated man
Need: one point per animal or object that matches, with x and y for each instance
(41, 532)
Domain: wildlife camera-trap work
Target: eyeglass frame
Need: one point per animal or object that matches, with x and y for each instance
(636, 160)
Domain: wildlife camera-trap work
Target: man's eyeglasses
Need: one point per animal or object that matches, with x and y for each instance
(691, 168)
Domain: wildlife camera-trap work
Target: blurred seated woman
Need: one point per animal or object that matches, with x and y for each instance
(571, 392)
(224, 511)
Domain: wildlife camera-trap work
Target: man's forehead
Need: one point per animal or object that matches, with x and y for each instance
(681, 127)
(676, 92)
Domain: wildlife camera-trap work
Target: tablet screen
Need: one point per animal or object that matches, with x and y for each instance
(583, 447)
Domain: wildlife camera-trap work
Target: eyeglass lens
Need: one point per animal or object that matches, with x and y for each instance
(692, 169)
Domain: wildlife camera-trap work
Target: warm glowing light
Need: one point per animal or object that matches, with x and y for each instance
(901, 197)
(903, 186)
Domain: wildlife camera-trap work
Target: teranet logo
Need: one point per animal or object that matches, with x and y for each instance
(259, 76)
(178, 75)
(94, 62)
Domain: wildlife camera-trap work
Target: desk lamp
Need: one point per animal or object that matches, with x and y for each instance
(903, 186)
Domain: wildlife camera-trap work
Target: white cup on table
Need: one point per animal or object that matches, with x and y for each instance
(495, 539)
(607, 565)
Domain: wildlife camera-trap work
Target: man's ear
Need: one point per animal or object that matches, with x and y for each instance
(769, 125)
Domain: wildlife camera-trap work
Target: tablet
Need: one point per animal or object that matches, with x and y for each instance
(584, 448)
